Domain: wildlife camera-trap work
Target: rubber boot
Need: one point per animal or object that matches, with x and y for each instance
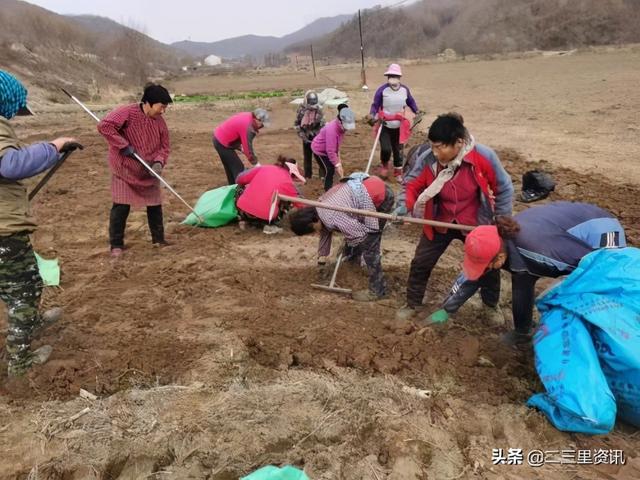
(156, 226)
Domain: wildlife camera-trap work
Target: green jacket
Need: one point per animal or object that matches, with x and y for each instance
(14, 203)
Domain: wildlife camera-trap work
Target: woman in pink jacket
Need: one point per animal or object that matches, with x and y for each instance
(256, 188)
(326, 145)
(237, 133)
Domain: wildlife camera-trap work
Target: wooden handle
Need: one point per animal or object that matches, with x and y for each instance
(369, 213)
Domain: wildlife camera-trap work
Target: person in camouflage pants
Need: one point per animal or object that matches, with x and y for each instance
(20, 289)
(20, 282)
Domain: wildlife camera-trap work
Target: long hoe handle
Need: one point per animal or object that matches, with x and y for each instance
(373, 150)
(332, 283)
(369, 213)
(49, 174)
(137, 157)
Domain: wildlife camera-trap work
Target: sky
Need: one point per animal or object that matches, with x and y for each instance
(208, 21)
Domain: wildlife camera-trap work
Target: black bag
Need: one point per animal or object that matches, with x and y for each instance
(536, 185)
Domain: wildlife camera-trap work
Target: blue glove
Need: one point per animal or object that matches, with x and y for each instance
(128, 151)
(400, 211)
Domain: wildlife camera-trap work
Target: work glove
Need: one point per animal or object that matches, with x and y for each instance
(437, 317)
(421, 202)
(418, 209)
(371, 120)
(157, 168)
(340, 170)
(71, 146)
(400, 211)
(128, 151)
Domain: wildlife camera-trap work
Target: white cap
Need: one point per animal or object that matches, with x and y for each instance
(348, 119)
(262, 115)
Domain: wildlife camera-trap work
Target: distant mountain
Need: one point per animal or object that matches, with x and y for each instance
(108, 29)
(315, 29)
(429, 27)
(256, 45)
(90, 55)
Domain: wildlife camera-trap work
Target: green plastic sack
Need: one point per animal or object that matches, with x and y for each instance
(216, 207)
(274, 473)
(49, 271)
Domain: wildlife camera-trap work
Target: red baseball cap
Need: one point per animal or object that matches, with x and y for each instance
(376, 189)
(480, 248)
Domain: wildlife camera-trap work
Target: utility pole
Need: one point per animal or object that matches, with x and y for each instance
(313, 62)
(363, 74)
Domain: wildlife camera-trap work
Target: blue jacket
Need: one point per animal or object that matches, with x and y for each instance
(553, 238)
(28, 161)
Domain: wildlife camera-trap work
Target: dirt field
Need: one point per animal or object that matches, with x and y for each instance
(213, 357)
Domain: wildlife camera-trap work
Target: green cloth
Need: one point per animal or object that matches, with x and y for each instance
(49, 271)
(216, 207)
(275, 473)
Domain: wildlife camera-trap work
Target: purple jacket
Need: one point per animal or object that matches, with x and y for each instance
(327, 142)
(379, 96)
(28, 161)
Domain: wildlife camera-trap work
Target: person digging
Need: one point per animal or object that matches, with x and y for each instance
(20, 282)
(388, 113)
(133, 129)
(256, 187)
(237, 133)
(362, 235)
(326, 144)
(460, 183)
(545, 241)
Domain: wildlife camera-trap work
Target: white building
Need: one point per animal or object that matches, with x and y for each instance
(212, 60)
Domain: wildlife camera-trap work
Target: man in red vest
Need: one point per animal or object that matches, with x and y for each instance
(461, 183)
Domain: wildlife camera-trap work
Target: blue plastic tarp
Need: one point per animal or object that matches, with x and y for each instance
(587, 347)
